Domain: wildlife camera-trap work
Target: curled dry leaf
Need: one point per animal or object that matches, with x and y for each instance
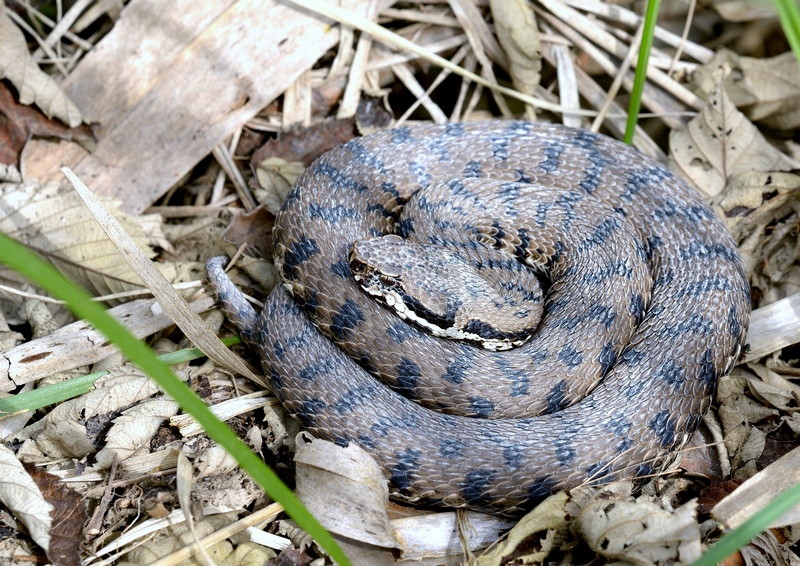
(760, 208)
(23, 498)
(773, 390)
(719, 143)
(517, 32)
(344, 489)
(33, 85)
(738, 413)
(277, 178)
(536, 533)
(766, 90)
(133, 430)
(53, 221)
(640, 532)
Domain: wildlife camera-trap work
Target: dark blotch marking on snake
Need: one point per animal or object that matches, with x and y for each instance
(557, 398)
(671, 373)
(481, 407)
(330, 214)
(472, 170)
(564, 449)
(664, 426)
(408, 375)
(451, 449)
(570, 356)
(399, 332)
(298, 253)
(346, 319)
(476, 488)
(540, 489)
(455, 372)
(401, 474)
(708, 373)
(513, 456)
(608, 357)
(598, 473)
(342, 269)
(337, 177)
(309, 409)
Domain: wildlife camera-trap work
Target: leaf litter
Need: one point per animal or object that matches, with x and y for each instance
(730, 114)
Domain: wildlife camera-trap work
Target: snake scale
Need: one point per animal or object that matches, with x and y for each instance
(646, 306)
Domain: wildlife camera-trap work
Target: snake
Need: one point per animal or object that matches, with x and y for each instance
(643, 304)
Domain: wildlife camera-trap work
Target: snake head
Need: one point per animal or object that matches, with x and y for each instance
(448, 295)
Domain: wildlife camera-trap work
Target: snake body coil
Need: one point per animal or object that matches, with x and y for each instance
(646, 307)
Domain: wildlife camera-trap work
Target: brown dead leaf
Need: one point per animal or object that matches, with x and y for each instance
(32, 84)
(766, 90)
(68, 515)
(306, 144)
(20, 122)
(253, 228)
(280, 162)
(719, 143)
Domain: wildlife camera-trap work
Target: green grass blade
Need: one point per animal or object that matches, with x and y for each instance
(789, 15)
(49, 395)
(70, 388)
(745, 532)
(650, 18)
(17, 257)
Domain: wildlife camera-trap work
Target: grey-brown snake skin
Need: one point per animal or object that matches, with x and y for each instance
(647, 307)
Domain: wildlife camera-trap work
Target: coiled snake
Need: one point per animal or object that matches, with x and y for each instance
(646, 307)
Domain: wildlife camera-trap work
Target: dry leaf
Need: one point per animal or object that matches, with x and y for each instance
(23, 498)
(535, 533)
(640, 532)
(21, 122)
(720, 143)
(33, 85)
(760, 210)
(53, 221)
(344, 489)
(428, 535)
(517, 32)
(68, 516)
(70, 429)
(754, 494)
(133, 430)
(738, 413)
(773, 390)
(766, 90)
(744, 10)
